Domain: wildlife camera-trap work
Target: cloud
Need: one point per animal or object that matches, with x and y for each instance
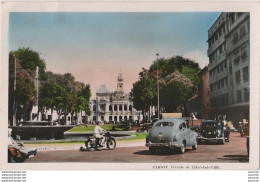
(198, 56)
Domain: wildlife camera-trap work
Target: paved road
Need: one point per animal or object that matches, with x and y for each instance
(234, 151)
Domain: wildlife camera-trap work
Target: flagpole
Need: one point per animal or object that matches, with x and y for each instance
(158, 89)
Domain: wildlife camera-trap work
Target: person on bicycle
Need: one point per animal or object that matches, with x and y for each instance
(98, 134)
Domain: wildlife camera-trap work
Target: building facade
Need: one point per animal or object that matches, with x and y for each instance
(228, 52)
(199, 103)
(113, 107)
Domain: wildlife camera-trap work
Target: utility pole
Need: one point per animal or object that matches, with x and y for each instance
(158, 88)
(14, 105)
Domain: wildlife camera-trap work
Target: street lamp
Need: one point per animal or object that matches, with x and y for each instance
(158, 88)
(14, 106)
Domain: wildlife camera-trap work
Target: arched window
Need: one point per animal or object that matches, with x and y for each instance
(115, 107)
(110, 118)
(125, 118)
(125, 107)
(120, 118)
(94, 107)
(130, 107)
(120, 107)
(110, 107)
(115, 118)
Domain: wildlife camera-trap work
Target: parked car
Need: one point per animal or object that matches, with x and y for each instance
(172, 134)
(17, 152)
(213, 130)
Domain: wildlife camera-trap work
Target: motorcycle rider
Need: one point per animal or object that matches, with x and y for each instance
(98, 134)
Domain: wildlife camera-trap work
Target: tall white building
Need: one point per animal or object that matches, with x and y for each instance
(113, 107)
(228, 52)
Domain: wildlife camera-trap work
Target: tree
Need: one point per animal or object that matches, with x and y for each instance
(30, 59)
(143, 94)
(178, 79)
(24, 94)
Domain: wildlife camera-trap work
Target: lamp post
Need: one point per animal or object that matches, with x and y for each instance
(14, 106)
(158, 106)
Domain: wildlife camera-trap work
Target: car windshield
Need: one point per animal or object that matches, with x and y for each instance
(165, 124)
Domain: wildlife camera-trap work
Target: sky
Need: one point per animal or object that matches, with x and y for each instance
(96, 46)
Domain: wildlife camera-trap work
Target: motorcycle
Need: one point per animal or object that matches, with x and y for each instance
(93, 143)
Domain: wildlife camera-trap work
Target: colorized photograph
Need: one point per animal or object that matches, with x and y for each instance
(129, 87)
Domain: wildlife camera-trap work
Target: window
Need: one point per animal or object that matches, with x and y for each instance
(110, 107)
(235, 37)
(239, 94)
(94, 108)
(120, 107)
(130, 107)
(246, 94)
(245, 74)
(238, 79)
(125, 107)
(220, 49)
(222, 83)
(115, 107)
(236, 61)
(232, 17)
(236, 58)
(243, 54)
(221, 66)
(211, 88)
(165, 124)
(242, 32)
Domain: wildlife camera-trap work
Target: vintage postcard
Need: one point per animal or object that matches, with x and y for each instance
(129, 85)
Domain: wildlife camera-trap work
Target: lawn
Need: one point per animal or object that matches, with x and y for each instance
(138, 136)
(90, 128)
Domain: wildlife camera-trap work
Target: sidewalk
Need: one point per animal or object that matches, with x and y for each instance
(76, 146)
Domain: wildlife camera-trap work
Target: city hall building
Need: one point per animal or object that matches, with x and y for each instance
(113, 107)
(228, 52)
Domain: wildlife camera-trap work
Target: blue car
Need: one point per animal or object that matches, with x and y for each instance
(173, 134)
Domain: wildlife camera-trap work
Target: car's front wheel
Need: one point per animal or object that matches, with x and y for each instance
(182, 148)
(152, 150)
(195, 146)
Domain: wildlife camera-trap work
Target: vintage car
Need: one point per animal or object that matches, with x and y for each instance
(212, 130)
(172, 134)
(17, 151)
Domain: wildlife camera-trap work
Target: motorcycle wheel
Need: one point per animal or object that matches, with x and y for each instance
(88, 144)
(111, 143)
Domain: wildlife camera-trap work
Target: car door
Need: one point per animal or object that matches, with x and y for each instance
(184, 135)
(192, 137)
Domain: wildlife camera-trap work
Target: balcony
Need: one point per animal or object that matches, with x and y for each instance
(216, 44)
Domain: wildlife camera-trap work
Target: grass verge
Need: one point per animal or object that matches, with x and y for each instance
(138, 136)
(90, 128)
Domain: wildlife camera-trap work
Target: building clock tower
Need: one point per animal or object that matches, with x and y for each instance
(120, 83)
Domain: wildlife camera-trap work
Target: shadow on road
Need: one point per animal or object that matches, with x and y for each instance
(240, 158)
(159, 152)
